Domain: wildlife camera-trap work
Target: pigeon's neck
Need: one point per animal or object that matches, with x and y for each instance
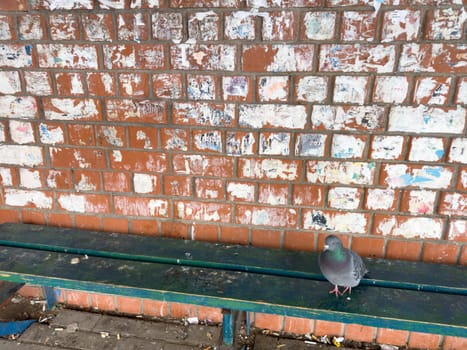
(338, 254)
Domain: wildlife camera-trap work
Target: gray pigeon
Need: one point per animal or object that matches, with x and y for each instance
(341, 266)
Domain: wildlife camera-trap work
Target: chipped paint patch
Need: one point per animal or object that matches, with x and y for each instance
(84, 184)
(5, 177)
(347, 146)
(273, 88)
(387, 147)
(30, 178)
(21, 132)
(276, 116)
(426, 149)
(21, 155)
(9, 82)
(339, 222)
(80, 204)
(350, 89)
(347, 118)
(344, 198)
(211, 141)
(67, 56)
(270, 168)
(71, 109)
(15, 56)
(401, 25)
(205, 114)
(458, 230)
(288, 58)
(240, 143)
(319, 25)
(111, 136)
(422, 202)
(310, 145)
(144, 183)
(400, 175)
(312, 89)
(458, 151)
(397, 93)
(24, 107)
(274, 143)
(454, 204)
(241, 191)
(380, 199)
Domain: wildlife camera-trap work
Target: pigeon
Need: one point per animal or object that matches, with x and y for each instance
(341, 266)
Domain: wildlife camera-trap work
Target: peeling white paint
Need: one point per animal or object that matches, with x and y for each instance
(319, 25)
(380, 199)
(30, 178)
(21, 155)
(117, 156)
(84, 184)
(279, 116)
(158, 207)
(347, 146)
(9, 82)
(241, 191)
(73, 203)
(458, 151)
(270, 168)
(426, 149)
(67, 56)
(274, 144)
(387, 147)
(391, 89)
(50, 135)
(5, 177)
(37, 83)
(350, 89)
(21, 132)
(81, 160)
(273, 88)
(72, 109)
(288, 58)
(339, 222)
(422, 202)
(344, 198)
(401, 24)
(144, 183)
(434, 91)
(399, 175)
(23, 198)
(312, 89)
(458, 230)
(425, 228)
(427, 120)
(111, 136)
(340, 172)
(347, 118)
(67, 4)
(24, 107)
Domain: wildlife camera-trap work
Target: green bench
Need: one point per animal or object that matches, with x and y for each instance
(413, 296)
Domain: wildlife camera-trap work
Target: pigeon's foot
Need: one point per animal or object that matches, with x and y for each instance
(335, 291)
(347, 289)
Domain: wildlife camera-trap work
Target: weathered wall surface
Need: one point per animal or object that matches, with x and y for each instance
(267, 122)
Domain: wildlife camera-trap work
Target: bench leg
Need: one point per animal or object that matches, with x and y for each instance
(227, 327)
(50, 297)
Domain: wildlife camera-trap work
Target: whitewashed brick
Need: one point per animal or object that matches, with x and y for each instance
(344, 198)
(63, 5)
(241, 191)
(311, 89)
(347, 118)
(2, 133)
(319, 25)
(269, 168)
(274, 143)
(458, 230)
(15, 56)
(310, 145)
(400, 25)
(380, 199)
(240, 25)
(9, 82)
(345, 173)
(80, 204)
(209, 140)
(421, 202)
(38, 83)
(339, 222)
(30, 27)
(5, 28)
(462, 91)
(426, 149)
(23, 198)
(391, 89)
(67, 56)
(350, 89)
(21, 132)
(30, 178)
(72, 109)
(275, 116)
(458, 151)
(21, 155)
(347, 146)
(24, 107)
(400, 175)
(432, 91)
(424, 119)
(50, 135)
(387, 147)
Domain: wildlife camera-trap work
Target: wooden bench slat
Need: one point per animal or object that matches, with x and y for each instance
(395, 274)
(379, 307)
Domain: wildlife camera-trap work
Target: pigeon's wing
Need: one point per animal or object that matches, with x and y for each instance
(359, 269)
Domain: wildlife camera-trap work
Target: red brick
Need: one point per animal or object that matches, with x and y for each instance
(463, 256)
(328, 328)
(234, 235)
(432, 57)
(457, 230)
(115, 224)
(77, 298)
(454, 343)
(177, 230)
(175, 139)
(9, 215)
(319, 25)
(308, 195)
(299, 240)
(206, 57)
(361, 333)
(203, 211)
(84, 203)
(73, 56)
(241, 191)
(392, 336)
(297, 325)
(69, 84)
(210, 314)
(432, 90)
(129, 305)
(462, 179)
(64, 26)
(403, 250)
(59, 220)
(444, 24)
(143, 137)
(267, 58)
(393, 21)
(85, 180)
(111, 136)
(139, 161)
(7, 25)
(133, 84)
(273, 194)
(116, 182)
(101, 84)
(167, 26)
(205, 27)
(31, 291)
(179, 186)
(141, 206)
(98, 27)
(87, 222)
(155, 308)
(198, 165)
(266, 238)
(62, 157)
(272, 169)
(424, 341)
(208, 233)
(31, 27)
(144, 227)
(440, 253)
(368, 246)
(178, 310)
(103, 302)
(271, 322)
(128, 56)
(453, 204)
(33, 217)
(137, 111)
(209, 188)
(13, 5)
(132, 27)
(393, 175)
(266, 216)
(81, 135)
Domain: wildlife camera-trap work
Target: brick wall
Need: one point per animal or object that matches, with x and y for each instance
(259, 121)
